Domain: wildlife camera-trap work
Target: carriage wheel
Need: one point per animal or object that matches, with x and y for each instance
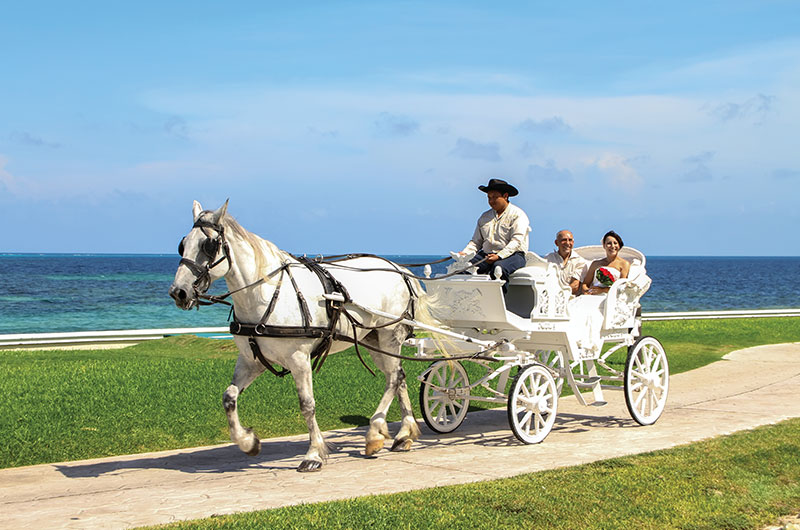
(646, 380)
(532, 404)
(554, 360)
(444, 396)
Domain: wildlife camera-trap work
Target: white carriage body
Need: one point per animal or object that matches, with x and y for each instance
(539, 312)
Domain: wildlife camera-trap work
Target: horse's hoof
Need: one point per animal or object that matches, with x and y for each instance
(255, 449)
(373, 447)
(307, 466)
(402, 444)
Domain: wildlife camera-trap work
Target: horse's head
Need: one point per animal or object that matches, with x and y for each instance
(202, 251)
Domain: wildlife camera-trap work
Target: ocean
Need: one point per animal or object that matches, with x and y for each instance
(57, 292)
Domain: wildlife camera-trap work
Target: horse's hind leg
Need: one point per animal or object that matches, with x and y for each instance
(245, 373)
(391, 340)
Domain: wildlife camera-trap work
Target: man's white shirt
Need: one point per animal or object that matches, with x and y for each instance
(501, 234)
(573, 268)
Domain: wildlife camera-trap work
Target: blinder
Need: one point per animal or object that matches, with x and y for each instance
(210, 247)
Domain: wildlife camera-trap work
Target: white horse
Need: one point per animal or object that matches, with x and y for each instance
(217, 247)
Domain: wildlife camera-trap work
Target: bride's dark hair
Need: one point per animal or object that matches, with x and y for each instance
(615, 236)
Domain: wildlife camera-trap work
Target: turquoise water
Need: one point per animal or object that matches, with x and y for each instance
(55, 292)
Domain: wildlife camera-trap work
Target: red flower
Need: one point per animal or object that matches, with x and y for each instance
(605, 277)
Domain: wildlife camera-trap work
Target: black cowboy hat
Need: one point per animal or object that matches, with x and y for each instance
(500, 185)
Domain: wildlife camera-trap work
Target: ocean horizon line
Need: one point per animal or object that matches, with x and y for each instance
(175, 254)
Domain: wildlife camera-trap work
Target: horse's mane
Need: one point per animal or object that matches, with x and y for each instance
(267, 255)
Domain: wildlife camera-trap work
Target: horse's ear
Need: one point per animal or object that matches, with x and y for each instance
(220, 213)
(196, 210)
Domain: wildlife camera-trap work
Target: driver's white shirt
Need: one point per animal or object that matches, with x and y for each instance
(502, 234)
(575, 267)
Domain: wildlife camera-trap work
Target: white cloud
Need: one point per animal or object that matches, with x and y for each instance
(548, 172)
(392, 125)
(6, 178)
(466, 148)
(757, 107)
(553, 125)
(619, 170)
(26, 138)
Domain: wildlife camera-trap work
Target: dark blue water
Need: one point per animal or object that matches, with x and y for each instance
(49, 293)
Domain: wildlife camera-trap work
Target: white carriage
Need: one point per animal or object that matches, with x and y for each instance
(531, 339)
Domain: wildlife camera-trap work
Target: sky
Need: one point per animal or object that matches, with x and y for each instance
(367, 126)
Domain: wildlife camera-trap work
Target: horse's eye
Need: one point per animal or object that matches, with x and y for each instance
(180, 246)
(211, 247)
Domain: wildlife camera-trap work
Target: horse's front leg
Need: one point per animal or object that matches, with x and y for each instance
(246, 371)
(318, 450)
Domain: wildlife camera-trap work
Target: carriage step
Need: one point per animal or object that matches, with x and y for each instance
(589, 381)
(598, 404)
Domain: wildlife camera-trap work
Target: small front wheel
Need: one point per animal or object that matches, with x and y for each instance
(532, 404)
(444, 396)
(646, 380)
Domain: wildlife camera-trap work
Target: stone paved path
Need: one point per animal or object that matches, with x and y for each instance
(750, 387)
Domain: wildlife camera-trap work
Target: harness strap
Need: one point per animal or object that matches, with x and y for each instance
(260, 356)
(273, 300)
(194, 267)
(301, 301)
(267, 330)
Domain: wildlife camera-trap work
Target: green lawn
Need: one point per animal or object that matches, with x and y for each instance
(69, 405)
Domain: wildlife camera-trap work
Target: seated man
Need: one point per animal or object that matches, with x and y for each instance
(571, 267)
(501, 236)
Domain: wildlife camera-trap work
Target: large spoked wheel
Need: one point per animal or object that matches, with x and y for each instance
(444, 396)
(646, 380)
(532, 404)
(554, 360)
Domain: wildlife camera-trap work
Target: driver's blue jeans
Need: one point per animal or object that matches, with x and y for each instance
(508, 265)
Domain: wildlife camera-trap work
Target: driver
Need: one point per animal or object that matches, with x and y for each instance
(502, 232)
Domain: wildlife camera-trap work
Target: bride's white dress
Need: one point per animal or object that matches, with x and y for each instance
(587, 313)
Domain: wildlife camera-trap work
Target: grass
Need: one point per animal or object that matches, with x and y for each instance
(67, 405)
(744, 480)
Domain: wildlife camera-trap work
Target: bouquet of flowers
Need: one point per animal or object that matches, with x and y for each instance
(605, 277)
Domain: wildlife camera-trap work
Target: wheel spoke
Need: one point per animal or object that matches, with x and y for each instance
(441, 415)
(452, 409)
(656, 364)
(639, 399)
(540, 423)
(525, 389)
(525, 422)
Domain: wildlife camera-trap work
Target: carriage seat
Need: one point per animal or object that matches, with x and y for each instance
(535, 269)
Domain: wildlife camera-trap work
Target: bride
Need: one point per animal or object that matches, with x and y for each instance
(587, 311)
(604, 272)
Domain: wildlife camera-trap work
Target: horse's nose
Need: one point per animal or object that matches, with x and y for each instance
(178, 294)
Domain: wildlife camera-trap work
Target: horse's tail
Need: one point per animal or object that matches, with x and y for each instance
(427, 307)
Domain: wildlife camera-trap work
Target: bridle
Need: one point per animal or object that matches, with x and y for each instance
(210, 247)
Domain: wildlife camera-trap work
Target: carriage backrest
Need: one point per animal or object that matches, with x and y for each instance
(637, 259)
